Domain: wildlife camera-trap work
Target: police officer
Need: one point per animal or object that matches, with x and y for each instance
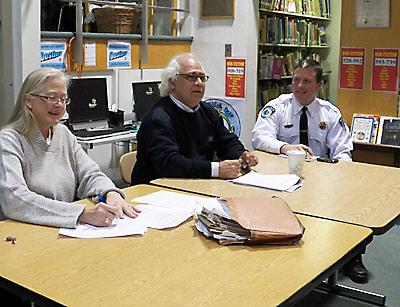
(302, 121)
(278, 127)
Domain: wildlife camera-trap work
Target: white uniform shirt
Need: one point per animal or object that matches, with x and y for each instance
(278, 124)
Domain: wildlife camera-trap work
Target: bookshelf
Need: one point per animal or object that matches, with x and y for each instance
(290, 30)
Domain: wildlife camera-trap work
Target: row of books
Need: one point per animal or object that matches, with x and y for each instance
(285, 30)
(269, 90)
(318, 8)
(375, 129)
(274, 66)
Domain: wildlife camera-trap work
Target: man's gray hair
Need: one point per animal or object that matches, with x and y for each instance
(172, 69)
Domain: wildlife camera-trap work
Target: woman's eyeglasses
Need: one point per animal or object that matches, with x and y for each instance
(53, 100)
(194, 77)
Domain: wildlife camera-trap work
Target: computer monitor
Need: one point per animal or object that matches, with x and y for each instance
(89, 103)
(145, 96)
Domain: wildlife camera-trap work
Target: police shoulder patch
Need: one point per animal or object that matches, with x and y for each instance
(267, 111)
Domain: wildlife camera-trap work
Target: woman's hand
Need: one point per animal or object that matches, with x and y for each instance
(99, 215)
(103, 214)
(115, 199)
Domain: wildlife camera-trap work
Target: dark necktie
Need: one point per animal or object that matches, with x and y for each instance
(303, 127)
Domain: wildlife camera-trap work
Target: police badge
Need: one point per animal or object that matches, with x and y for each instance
(323, 125)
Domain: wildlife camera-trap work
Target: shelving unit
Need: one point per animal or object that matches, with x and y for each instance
(285, 37)
(142, 43)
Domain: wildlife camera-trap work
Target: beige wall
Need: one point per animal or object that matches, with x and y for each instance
(367, 101)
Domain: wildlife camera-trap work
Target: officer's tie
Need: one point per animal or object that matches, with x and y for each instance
(303, 127)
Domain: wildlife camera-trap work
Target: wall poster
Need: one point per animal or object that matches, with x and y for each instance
(352, 68)
(235, 76)
(385, 67)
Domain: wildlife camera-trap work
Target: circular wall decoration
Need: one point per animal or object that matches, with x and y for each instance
(228, 113)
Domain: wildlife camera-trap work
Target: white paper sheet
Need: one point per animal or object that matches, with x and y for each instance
(120, 228)
(171, 199)
(275, 182)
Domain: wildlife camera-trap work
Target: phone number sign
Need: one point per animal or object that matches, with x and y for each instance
(385, 70)
(352, 61)
(235, 76)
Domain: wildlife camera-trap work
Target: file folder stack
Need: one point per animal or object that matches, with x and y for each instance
(252, 221)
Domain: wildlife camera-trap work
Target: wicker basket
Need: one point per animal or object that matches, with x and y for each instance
(120, 20)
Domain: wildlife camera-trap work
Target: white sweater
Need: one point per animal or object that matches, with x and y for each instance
(38, 182)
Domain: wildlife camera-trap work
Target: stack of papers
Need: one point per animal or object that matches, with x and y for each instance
(222, 228)
(288, 183)
(262, 220)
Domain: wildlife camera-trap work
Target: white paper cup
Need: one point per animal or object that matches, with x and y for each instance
(296, 161)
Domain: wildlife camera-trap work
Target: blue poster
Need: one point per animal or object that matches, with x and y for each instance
(52, 54)
(118, 55)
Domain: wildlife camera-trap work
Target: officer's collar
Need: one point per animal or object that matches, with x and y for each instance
(297, 106)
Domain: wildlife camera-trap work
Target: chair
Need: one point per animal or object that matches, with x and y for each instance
(126, 163)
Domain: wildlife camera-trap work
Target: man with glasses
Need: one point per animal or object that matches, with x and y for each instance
(183, 137)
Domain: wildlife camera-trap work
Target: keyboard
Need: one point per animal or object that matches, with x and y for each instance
(97, 134)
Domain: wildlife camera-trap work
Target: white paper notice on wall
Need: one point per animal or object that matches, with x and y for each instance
(373, 14)
(90, 54)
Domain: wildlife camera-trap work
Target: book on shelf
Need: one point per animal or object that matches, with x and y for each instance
(364, 128)
(389, 131)
(267, 4)
(277, 67)
(291, 6)
(322, 36)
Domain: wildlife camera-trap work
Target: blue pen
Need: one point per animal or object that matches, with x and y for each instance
(101, 198)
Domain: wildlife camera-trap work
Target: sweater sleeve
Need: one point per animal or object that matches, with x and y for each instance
(91, 180)
(18, 202)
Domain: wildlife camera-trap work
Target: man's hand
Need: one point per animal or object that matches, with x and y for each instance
(309, 153)
(247, 159)
(229, 169)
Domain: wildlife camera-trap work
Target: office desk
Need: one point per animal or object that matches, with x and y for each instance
(176, 267)
(89, 144)
(357, 193)
(380, 154)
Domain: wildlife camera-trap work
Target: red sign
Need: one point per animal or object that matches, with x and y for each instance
(352, 68)
(385, 70)
(235, 78)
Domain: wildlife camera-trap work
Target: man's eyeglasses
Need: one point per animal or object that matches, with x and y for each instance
(194, 77)
(53, 100)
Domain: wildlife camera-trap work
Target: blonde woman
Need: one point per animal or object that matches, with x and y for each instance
(42, 167)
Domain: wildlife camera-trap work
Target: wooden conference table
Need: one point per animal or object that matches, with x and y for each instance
(356, 193)
(175, 267)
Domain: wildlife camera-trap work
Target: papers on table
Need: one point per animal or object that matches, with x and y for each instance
(162, 209)
(288, 183)
(224, 229)
(120, 228)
